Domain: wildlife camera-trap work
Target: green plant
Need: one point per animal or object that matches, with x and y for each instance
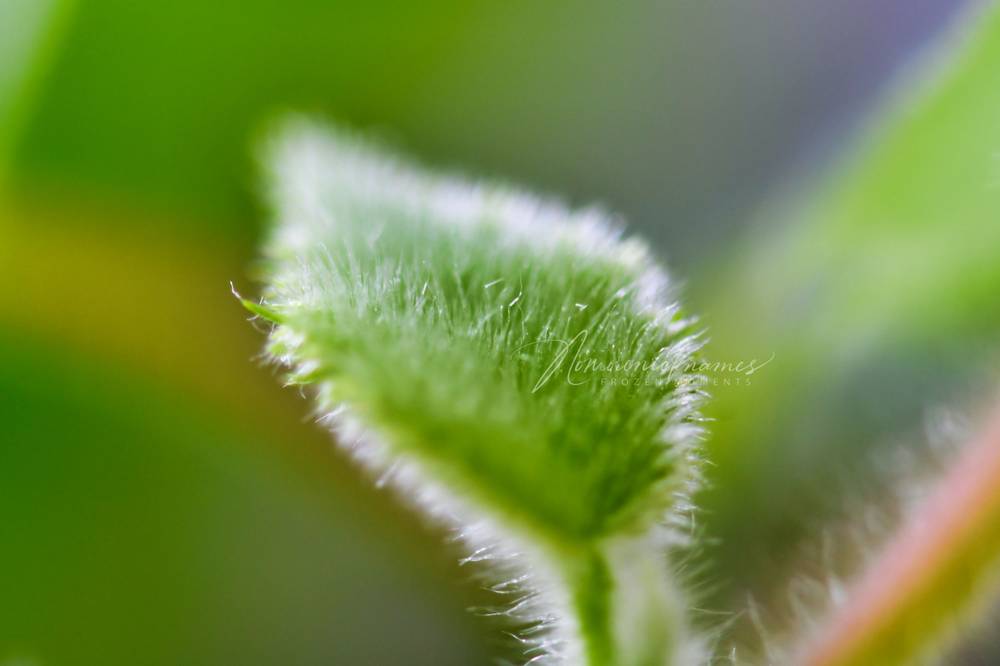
(522, 373)
(469, 343)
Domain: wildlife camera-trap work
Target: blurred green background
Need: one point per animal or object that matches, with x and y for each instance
(163, 500)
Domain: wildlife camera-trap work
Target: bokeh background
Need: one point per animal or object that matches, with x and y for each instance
(164, 501)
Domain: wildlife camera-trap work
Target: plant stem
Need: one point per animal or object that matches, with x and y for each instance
(933, 575)
(591, 598)
(626, 607)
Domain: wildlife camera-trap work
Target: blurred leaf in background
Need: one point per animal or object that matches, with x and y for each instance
(677, 114)
(29, 37)
(879, 297)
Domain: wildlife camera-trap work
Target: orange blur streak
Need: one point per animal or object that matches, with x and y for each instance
(967, 497)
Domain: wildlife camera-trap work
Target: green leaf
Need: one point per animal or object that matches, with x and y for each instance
(29, 31)
(879, 295)
(513, 367)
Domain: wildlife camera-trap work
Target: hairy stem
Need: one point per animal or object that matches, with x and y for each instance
(931, 578)
(591, 600)
(627, 608)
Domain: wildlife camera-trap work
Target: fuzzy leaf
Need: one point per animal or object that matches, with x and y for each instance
(516, 368)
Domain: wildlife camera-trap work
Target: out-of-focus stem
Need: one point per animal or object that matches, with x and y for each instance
(932, 576)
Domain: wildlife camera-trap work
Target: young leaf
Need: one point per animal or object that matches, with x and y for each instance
(515, 368)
